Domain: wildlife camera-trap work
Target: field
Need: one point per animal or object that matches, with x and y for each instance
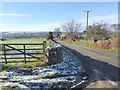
(40, 74)
(40, 62)
(24, 40)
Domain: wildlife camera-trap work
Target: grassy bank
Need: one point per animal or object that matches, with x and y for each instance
(22, 65)
(92, 45)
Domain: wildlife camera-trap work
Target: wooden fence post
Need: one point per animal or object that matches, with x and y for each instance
(5, 54)
(24, 53)
(44, 47)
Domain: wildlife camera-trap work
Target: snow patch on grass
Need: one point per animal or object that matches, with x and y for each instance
(61, 75)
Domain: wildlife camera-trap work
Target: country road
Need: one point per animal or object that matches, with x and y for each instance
(104, 66)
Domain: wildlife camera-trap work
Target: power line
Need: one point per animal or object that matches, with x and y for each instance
(87, 12)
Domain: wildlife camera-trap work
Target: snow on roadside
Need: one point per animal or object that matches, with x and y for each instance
(55, 76)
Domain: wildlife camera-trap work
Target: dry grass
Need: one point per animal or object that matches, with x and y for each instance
(111, 46)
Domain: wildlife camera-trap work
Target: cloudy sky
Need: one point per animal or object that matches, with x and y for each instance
(45, 16)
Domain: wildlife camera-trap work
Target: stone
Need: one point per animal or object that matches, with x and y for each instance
(54, 55)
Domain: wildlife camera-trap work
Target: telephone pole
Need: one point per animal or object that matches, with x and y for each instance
(87, 12)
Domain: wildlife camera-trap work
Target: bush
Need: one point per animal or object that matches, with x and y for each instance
(115, 43)
(109, 44)
(104, 44)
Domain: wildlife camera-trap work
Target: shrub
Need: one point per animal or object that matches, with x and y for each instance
(115, 43)
(104, 44)
(109, 44)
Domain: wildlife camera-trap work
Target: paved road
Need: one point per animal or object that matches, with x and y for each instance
(96, 54)
(104, 65)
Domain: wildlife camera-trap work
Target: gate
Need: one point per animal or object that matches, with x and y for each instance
(22, 51)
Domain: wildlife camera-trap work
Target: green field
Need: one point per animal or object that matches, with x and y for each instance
(23, 40)
(40, 62)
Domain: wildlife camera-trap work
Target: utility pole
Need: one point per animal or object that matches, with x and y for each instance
(87, 12)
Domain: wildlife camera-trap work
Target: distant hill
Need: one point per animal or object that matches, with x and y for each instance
(23, 34)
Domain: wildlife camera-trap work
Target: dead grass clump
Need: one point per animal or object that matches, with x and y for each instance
(109, 44)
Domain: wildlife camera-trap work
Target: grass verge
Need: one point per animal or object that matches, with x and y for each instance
(92, 45)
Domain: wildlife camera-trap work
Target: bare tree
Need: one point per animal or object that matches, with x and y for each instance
(57, 32)
(115, 30)
(116, 27)
(71, 28)
(98, 30)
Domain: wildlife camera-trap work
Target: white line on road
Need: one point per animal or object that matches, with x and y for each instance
(113, 83)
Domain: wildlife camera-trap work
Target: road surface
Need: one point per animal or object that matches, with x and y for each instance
(104, 66)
